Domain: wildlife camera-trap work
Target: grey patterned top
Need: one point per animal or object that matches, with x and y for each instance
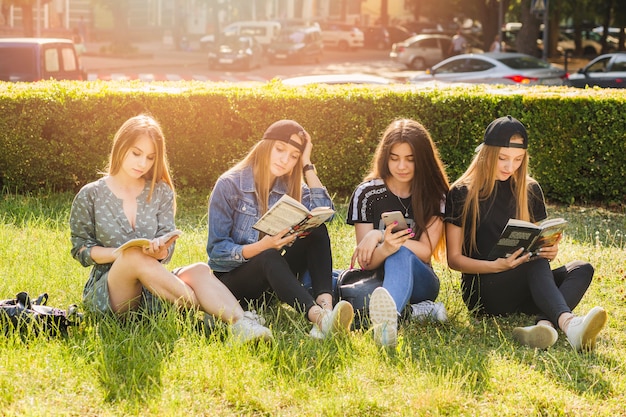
(97, 219)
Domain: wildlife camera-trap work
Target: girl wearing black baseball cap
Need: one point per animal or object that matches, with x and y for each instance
(250, 263)
(495, 188)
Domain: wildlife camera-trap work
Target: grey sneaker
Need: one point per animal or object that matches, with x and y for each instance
(384, 317)
(429, 310)
(334, 321)
(250, 327)
(582, 331)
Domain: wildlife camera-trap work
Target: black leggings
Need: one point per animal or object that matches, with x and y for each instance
(271, 271)
(531, 288)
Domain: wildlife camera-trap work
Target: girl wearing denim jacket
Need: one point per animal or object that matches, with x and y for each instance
(251, 264)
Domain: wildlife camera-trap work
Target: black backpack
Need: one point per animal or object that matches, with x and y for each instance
(26, 315)
(356, 287)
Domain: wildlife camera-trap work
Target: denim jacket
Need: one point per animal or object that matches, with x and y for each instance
(233, 210)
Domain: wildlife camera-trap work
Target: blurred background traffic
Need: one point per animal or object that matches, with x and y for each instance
(519, 41)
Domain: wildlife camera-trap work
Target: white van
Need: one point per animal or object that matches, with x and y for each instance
(265, 31)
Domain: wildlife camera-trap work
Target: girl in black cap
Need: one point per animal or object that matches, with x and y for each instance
(496, 187)
(251, 264)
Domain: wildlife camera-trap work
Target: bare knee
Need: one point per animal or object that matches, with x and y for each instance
(191, 272)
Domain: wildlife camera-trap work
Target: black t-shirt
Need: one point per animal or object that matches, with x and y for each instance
(495, 212)
(372, 198)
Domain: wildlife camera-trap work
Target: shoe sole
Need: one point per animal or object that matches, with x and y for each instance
(344, 314)
(384, 317)
(597, 319)
(538, 336)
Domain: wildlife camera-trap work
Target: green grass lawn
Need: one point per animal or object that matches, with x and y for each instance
(166, 365)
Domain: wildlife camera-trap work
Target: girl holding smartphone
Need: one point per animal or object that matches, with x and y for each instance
(406, 176)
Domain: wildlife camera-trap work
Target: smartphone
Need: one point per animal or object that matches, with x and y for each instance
(395, 216)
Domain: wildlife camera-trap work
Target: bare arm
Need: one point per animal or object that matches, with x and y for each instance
(465, 264)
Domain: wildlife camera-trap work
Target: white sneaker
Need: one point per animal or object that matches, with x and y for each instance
(582, 331)
(537, 336)
(250, 327)
(384, 317)
(334, 321)
(429, 310)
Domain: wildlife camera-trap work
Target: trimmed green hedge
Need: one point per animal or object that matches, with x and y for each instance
(57, 135)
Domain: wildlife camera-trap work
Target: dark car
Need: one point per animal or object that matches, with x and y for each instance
(297, 45)
(607, 70)
(381, 37)
(34, 59)
(243, 52)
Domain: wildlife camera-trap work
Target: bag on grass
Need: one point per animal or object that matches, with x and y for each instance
(24, 315)
(356, 287)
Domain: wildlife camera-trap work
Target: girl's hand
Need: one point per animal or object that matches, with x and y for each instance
(308, 148)
(393, 241)
(513, 261)
(364, 250)
(159, 248)
(549, 252)
(279, 240)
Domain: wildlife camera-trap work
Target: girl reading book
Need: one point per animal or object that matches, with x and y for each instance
(407, 177)
(494, 188)
(251, 263)
(135, 199)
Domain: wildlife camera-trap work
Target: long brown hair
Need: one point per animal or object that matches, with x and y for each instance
(125, 138)
(259, 159)
(480, 180)
(430, 182)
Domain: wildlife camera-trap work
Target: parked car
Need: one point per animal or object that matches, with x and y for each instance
(297, 45)
(34, 59)
(336, 79)
(607, 70)
(421, 51)
(342, 36)
(381, 37)
(243, 52)
(265, 32)
(567, 45)
(494, 68)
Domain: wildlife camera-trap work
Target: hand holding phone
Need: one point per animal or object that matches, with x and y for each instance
(389, 217)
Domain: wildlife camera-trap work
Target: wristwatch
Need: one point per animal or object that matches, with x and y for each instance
(308, 167)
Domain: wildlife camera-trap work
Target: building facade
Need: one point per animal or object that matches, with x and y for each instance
(196, 17)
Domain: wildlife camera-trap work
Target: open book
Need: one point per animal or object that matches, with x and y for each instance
(145, 243)
(532, 237)
(287, 212)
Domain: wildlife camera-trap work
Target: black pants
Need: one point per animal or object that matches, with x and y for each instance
(531, 288)
(271, 271)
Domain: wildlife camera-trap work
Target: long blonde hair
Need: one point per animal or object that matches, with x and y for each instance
(125, 138)
(430, 182)
(259, 159)
(480, 180)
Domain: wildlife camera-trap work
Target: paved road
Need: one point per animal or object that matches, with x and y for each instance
(156, 62)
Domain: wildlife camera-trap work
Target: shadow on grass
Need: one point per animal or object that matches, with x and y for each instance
(130, 355)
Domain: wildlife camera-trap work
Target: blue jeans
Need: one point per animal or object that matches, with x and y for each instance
(408, 279)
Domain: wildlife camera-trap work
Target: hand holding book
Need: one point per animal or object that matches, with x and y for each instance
(520, 234)
(289, 213)
(164, 242)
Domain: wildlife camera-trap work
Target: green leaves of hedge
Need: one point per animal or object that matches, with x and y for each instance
(57, 135)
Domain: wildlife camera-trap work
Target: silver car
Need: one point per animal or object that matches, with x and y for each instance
(494, 68)
(421, 51)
